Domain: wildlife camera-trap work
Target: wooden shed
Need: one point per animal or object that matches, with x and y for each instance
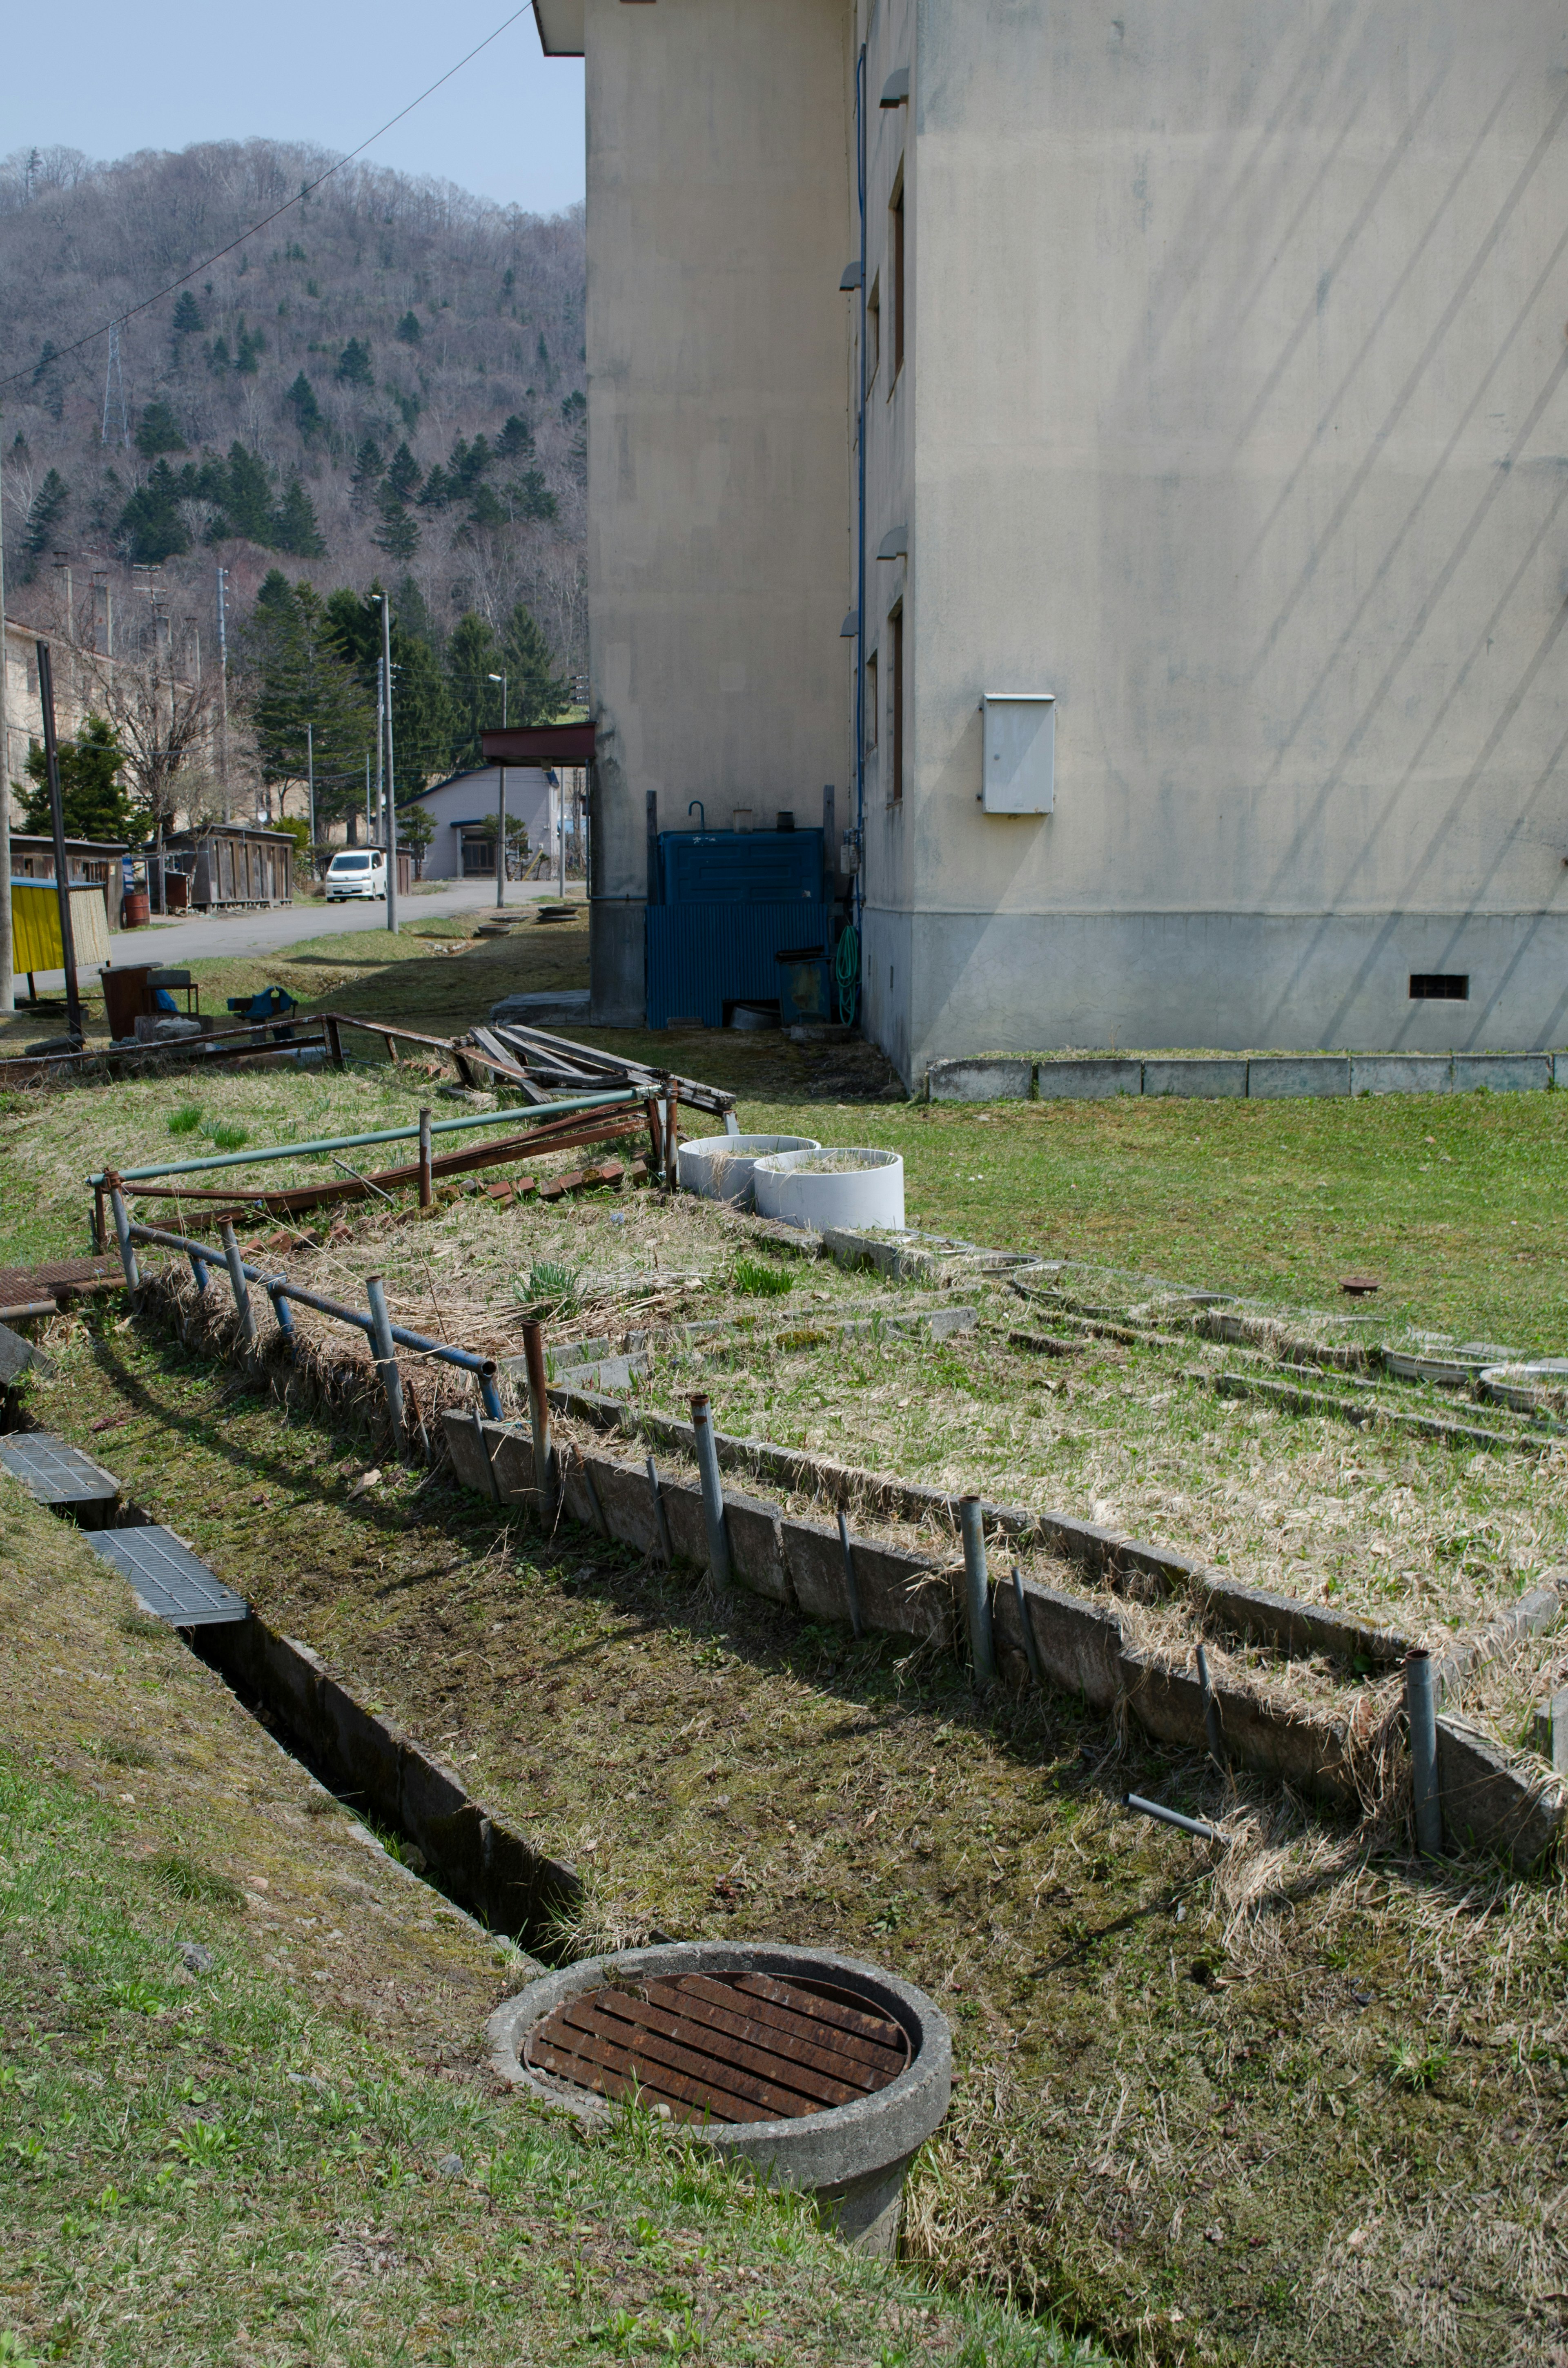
(233, 863)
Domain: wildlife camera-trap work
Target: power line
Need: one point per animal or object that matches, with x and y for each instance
(306, 190)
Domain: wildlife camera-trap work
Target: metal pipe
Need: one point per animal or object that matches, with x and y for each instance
(672, 1137)
(525, 1119)
(484, 1367)
(661, 1519)
(712, 1490)
(1174, 1817)
(386, 1354)
(426, 1192)
(122, 1234)
(279, 1299)
(1212, 1726)
(1421, 1714)
(977, 1591)
(851, 1587)
(1026, 1625)
(237, 1280)
(538, 1413)
(198, 1269)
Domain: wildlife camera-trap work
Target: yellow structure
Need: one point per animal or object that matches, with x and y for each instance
(35, 926)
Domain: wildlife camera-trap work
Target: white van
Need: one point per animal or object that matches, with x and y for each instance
(359, 872)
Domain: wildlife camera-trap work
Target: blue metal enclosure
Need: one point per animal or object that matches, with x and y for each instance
(732, 901)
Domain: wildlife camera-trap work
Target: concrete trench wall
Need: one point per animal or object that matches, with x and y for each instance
(371, 1763)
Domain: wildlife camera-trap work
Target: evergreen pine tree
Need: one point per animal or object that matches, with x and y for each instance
(537, 693)
(44, 513)
(397, 533)
(294, 529)
(149, 529)
(409, 330)
(473, 654)
(354, 364)
(515, 441)
(403, 472)
(302, 400)
(188, 315)
(248, 496)
(301, 676)
(158, 432)
(94, 798)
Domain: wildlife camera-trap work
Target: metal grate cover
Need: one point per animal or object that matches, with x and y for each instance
(56, 1474)
(168, 1581)
(726, 2048)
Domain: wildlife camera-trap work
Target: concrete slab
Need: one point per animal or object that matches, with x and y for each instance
(1099, 1080)
(901, 1594)
(1501, 1073)
(1079, 1645)
(995, 1080)
(756, 1547)
(1497, 1800)
(816, 1571)
(1285, 1077)
(1402, 1073)
(1203, 1080)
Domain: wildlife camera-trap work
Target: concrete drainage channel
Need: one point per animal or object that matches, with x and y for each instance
(814, 2070)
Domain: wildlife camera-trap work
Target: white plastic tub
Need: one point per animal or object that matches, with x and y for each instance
(719, 1167)
(861, 1187)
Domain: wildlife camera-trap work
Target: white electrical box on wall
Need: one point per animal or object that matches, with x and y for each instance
(1020, 752)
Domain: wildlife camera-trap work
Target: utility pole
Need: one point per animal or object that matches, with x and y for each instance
(368, 839)
(373, 826)
(8, 973)
(501, 806)
(561, 835)
(62, 862)
(391, 772)
(311, 783)
(223, 695)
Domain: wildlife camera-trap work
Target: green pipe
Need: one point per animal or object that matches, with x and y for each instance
(535, 1114)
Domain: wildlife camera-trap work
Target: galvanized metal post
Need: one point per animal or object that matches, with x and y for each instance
(661, 1519)
(977, 1591)
(1421, 1711)
(1212, 1726)
(240, 1287)
(426, 1191)
(851, 1587)
(672, 1137)
(386, 1354)
(538, 1414)
(122, 1234)
(712, 1490)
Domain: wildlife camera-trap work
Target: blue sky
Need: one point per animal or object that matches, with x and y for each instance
(509, 126)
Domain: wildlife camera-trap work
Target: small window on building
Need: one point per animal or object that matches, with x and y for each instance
(1439, 986)
(871, 717)
(896, 229)
(895, 703)
(873, 329)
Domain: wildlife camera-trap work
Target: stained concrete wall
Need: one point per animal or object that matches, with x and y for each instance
(1242, 427)
(718, 427)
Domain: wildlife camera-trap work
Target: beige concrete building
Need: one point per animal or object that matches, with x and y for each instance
(1215, 433)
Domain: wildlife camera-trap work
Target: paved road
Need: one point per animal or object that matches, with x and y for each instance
(203, 938)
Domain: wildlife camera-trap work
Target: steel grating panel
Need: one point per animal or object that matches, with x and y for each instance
(55, 1473)
(730, 2047)
(167, 1579)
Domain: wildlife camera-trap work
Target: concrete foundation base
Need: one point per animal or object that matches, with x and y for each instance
(616, 962)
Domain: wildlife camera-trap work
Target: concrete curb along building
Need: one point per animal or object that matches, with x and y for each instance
(1204, 681)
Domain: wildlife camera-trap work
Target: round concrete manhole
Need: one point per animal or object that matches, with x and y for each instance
(822, 2072)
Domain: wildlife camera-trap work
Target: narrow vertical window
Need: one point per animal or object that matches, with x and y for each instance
(870, 702)
(895, 702)
(873, 329)
(897, 227)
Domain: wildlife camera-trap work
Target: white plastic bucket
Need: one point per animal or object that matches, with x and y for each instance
(863, 1188)
(719, 1167)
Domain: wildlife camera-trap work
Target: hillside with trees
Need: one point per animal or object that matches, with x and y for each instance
(384, 385)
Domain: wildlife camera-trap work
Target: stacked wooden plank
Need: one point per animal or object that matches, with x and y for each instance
(554, 1065)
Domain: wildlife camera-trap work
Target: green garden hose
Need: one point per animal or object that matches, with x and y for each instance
(846, 973)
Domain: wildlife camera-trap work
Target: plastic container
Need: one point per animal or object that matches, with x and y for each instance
(861, 1188)
(1536, 1387)
(719, 1167)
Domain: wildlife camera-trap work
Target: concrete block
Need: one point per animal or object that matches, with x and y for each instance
(1202, 1080)
(1079, 1645)
(628, 1503)
(1548, 1732)
(576, 1497)
(1099, 1080)
(1286, 1077)
(1560, 1071)
(756, 1547)
(1494, 1799)
(1402, 1073)
(901, 1594)
(1298, 1627)
(995, 1080)
(512, 1461)
(688, 1529)
(466, 1451)
(816, 1561)
(1501, 1073)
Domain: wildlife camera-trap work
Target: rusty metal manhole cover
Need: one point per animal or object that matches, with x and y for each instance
(725, 2047)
